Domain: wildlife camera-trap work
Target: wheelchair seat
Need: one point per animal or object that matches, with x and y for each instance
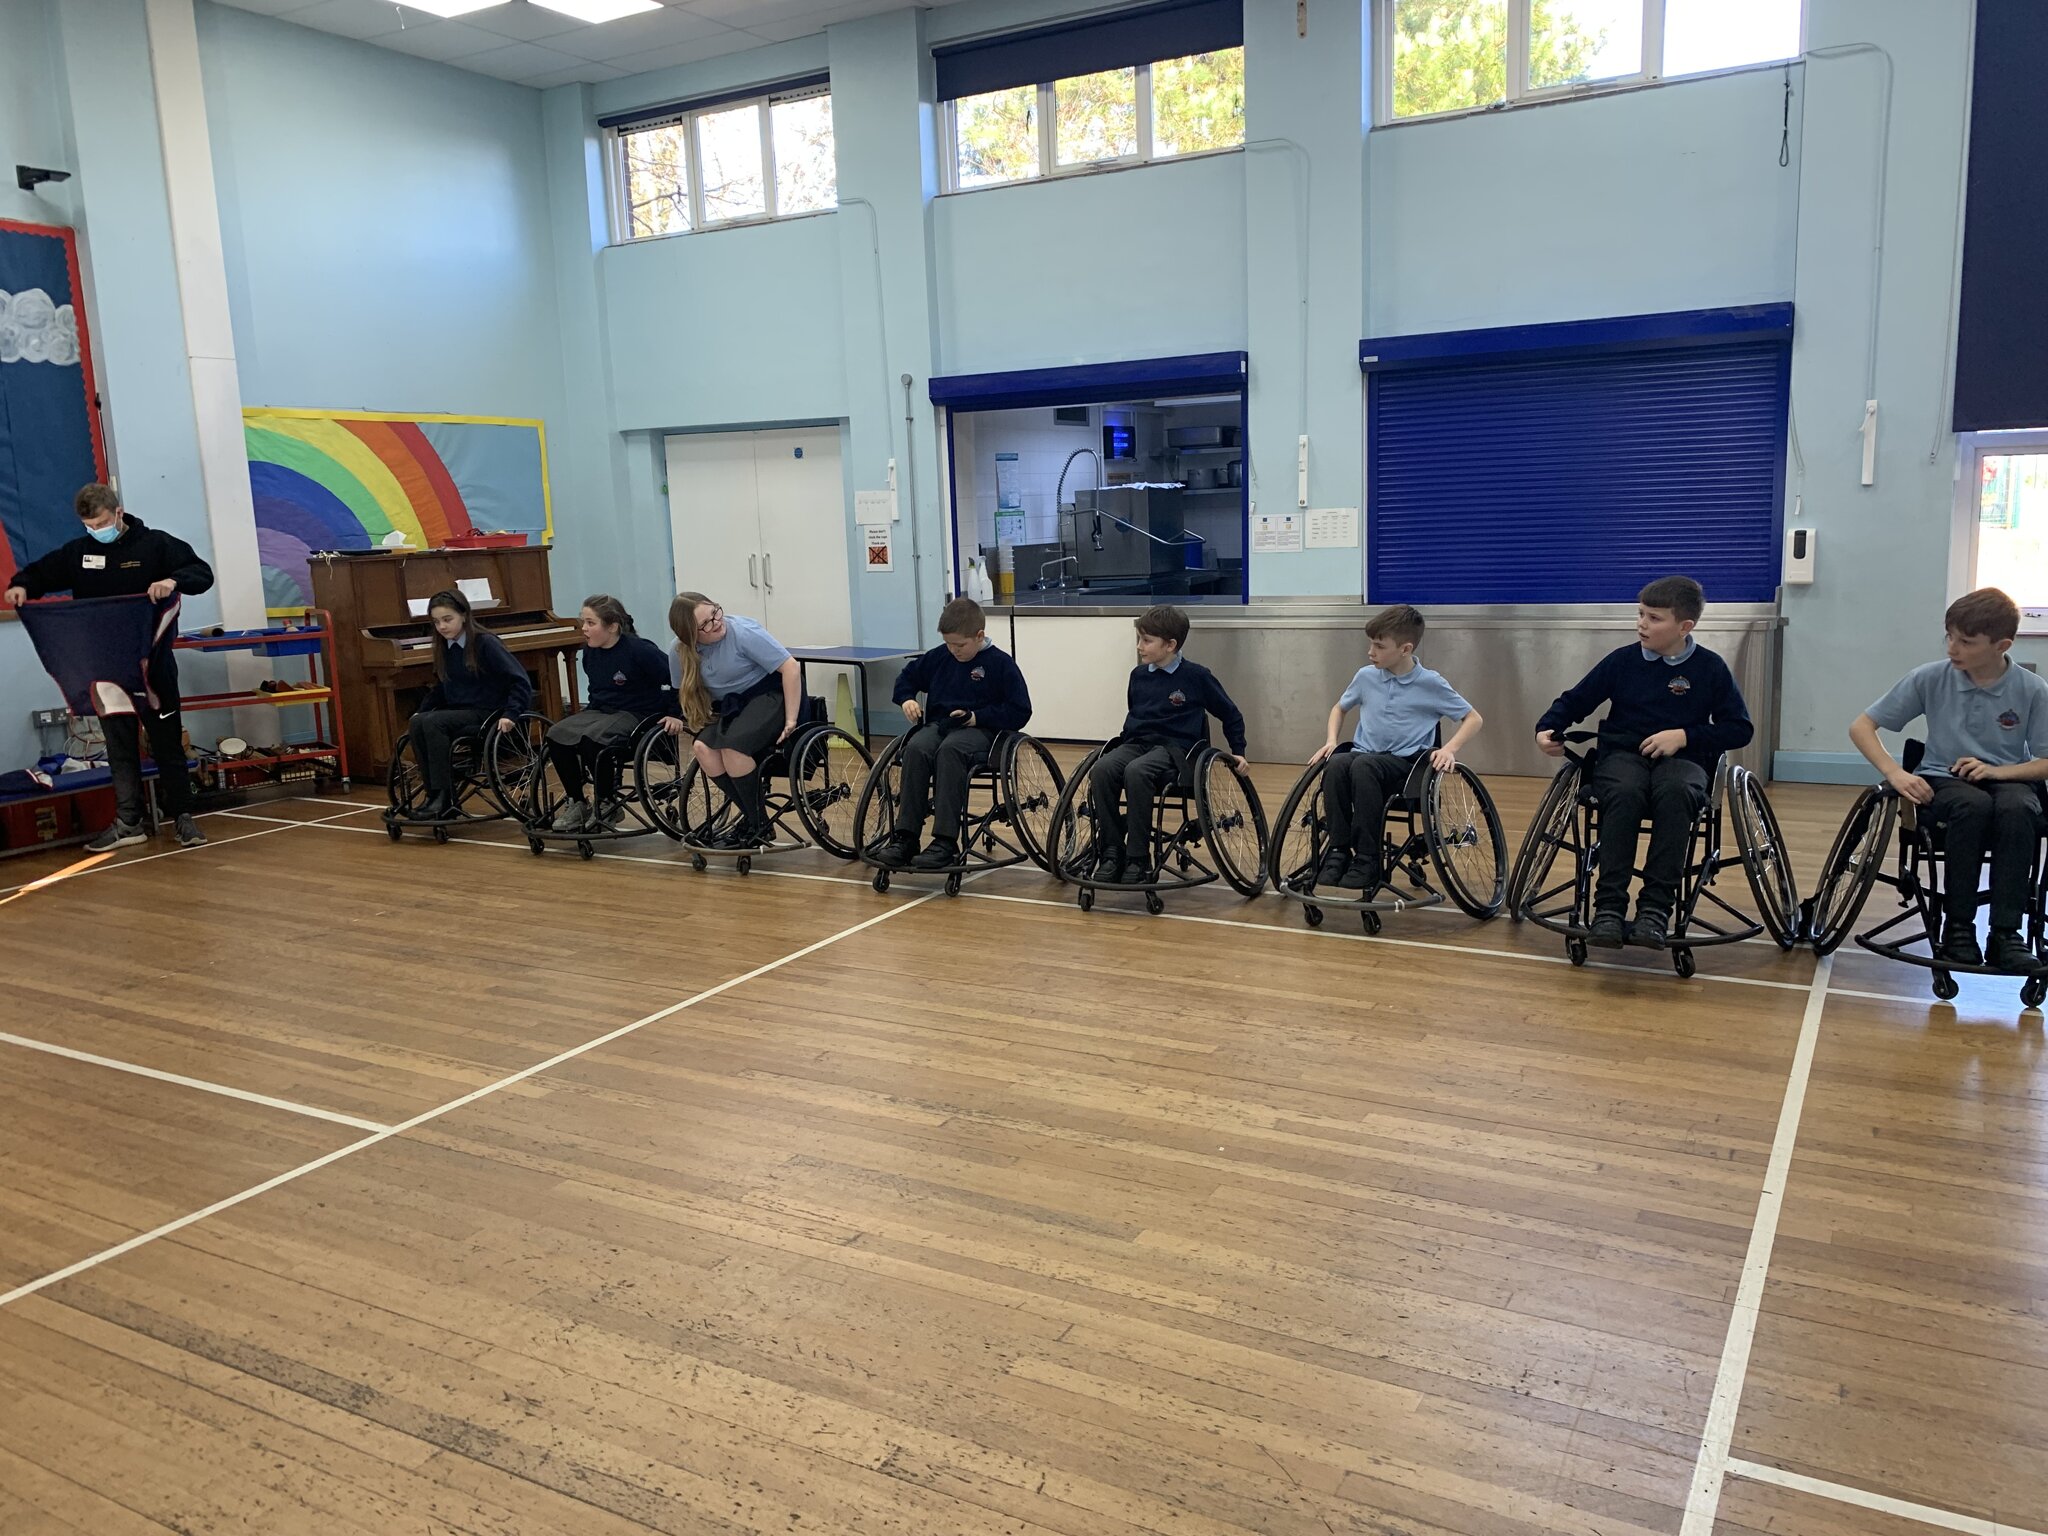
(486, 782)
(1021, 782)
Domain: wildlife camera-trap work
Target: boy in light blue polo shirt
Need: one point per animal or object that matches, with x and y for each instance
(1399, 703)
(1987, 751)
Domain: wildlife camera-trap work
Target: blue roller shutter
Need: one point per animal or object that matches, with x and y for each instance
(1573, 464)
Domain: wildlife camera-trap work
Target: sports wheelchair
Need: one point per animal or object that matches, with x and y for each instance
(1856, 863)
(1444, 820)
(1022, 784)
(1568, 821)
(644, 772)
(490, 768)
(824, 769)
(1220, 835)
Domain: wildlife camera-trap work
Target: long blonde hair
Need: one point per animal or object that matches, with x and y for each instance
(690, 689)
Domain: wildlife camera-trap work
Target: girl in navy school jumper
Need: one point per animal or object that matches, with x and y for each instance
(1170, 699)
(628, 679)
(475, 677)
(1673, 710)
(973, 693)
(742, 694)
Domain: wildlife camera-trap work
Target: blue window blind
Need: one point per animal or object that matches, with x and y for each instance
(1574, 464)
(1140, 35)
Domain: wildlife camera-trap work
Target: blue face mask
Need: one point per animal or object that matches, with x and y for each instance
(108, 534)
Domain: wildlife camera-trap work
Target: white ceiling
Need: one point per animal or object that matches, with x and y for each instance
(534, 46)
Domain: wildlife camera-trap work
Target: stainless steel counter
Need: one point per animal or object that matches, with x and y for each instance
(1285, 661)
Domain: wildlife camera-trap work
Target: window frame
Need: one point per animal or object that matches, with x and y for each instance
(690, 120)
(1965, 541)
(1518, 91)
(1049, 168)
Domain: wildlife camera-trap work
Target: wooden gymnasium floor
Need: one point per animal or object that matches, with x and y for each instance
(693, 1203)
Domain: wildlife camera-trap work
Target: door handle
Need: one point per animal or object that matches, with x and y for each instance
(768, 571)
(751, 580)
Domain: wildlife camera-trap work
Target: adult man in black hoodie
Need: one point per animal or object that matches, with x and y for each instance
(120, 557)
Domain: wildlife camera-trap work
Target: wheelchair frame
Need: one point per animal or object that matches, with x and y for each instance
(479, 776)
(541, 796)
(1181, 850)
(1419, 845)
(1855, 864)
(992, 836)
(1568, 821)
(690, 817)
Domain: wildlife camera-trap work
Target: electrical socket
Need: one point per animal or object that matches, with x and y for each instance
(42, 717)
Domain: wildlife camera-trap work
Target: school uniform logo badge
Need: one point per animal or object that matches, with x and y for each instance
(2009, 721)
(1176, 698)
(619, 679)
(1681, 686)
(979, 675)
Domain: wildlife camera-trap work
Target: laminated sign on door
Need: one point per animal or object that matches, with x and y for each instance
(880, 547)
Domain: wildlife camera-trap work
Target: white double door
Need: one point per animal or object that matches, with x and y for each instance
(760, 526)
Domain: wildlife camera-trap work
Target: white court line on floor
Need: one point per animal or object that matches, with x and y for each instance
(1884, 1504)
(215, 842)
(199, 1083)
(182, 1222)
(1704, 1501)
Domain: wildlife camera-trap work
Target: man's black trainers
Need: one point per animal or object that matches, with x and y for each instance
(189, 833)
(120, 834)
(1608, 931)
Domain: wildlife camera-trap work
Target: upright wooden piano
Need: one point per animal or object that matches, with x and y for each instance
(384, 655)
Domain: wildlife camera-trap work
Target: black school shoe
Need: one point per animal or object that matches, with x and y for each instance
(1361, 875)
(1649, 930)
(1109, 868)
(1959, 945)
(2010, 952)
(1609, 931)
(896, 850)
(944, 853)
(1335, 861)
(1137, 869)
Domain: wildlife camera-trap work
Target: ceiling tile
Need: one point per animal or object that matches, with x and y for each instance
(630, 35)
(351, 18)
(688, 53)
(442, 40)
(749, 13)
(525, 23)
(817, 19)
(519, 61)
(270, 7)
(584, 72)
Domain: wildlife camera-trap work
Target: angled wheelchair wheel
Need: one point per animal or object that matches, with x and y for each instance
(1765, 859)
(699, 808)
(827, 772)
(1299, 838)
(512, 759)
(1540, 843)
(1233, 824)
(1466, 844)
(1071, 841)
(1852, 868)
(404, 782)
(658, 767)
(1031, 787)
(881, 797)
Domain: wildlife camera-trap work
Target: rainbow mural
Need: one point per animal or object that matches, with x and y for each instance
(336, 480)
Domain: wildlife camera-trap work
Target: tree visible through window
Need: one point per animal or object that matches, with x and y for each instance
(712, 166)
(1198, 103)
(657, 180)
(995, 137)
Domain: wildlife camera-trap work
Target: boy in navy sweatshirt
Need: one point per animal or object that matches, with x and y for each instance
(1169, 699)
(973, 692)
(1673, 709)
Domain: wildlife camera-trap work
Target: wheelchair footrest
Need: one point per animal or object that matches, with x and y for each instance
(1933, 962)
(1337, 899)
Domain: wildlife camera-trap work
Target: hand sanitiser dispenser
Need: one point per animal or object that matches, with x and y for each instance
(1799, 557)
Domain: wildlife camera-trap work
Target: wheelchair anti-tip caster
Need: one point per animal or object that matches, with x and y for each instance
(1312, 914)
(587, 850)
(698, 862)
(1086, 899)
(440, 834)
(743, 864)
(537, 846)
(2035, 992)
(1154, 903)
(1576, 949)
(881, 881)
(394, 830)
(953, 885)
(1945, 986)
(1370, 921)
(1682, 962)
